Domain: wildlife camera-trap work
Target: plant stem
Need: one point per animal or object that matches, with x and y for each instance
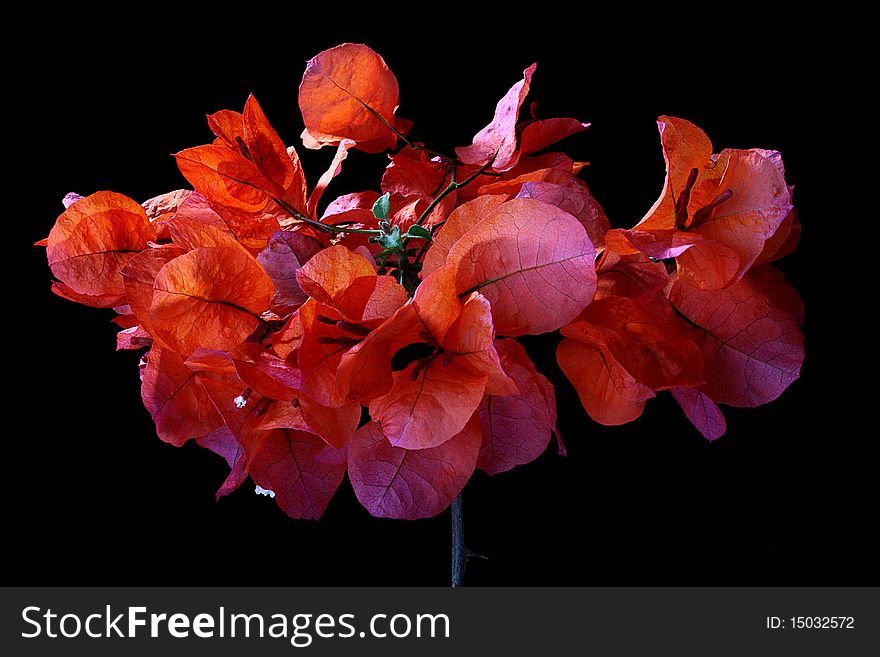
(451, 187)
(459, 553)
(327, 228)
(406, 140)
(425, 247)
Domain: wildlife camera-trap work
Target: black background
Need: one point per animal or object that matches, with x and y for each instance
(99, 102)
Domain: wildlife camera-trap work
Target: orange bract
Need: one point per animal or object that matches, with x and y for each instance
(716, 212)
(94, 239)
(139, 275)
(225, 177)
(348, 92)
(211, 297)
(332, 271)
(348, 300)
(617, 354)
(431, 399)
(262, 145)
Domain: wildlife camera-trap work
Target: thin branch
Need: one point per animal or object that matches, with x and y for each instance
(406, 140)
(451, 187)
(327, 228)
(393, 129)
(459, 552)
(424, 249)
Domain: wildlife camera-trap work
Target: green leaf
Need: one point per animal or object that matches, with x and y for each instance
(380, 207)
(392, 240)
(418, 232)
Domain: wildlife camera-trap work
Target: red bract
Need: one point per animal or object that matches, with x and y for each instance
(571, 195)
(283, 256)
(496, 143)
(174, 396)
(532, 261)
(393, 482)
(348, 300)
(414, 179)
(301, 469)
(749, 334)
(432, 398)
(139, 276)
(516, 428)
(271, 331)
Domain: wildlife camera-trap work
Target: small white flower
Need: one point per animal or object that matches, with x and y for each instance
(240, 401)
(259, 490)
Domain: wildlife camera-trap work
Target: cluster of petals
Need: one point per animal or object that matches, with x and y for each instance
(276, 337)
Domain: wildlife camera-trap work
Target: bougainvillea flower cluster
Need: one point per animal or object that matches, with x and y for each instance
(378, 336)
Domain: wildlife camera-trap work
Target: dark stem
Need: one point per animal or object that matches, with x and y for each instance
(453, 185)
(327, 228)
(459, 553)
(404, 138)
(426, 245)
